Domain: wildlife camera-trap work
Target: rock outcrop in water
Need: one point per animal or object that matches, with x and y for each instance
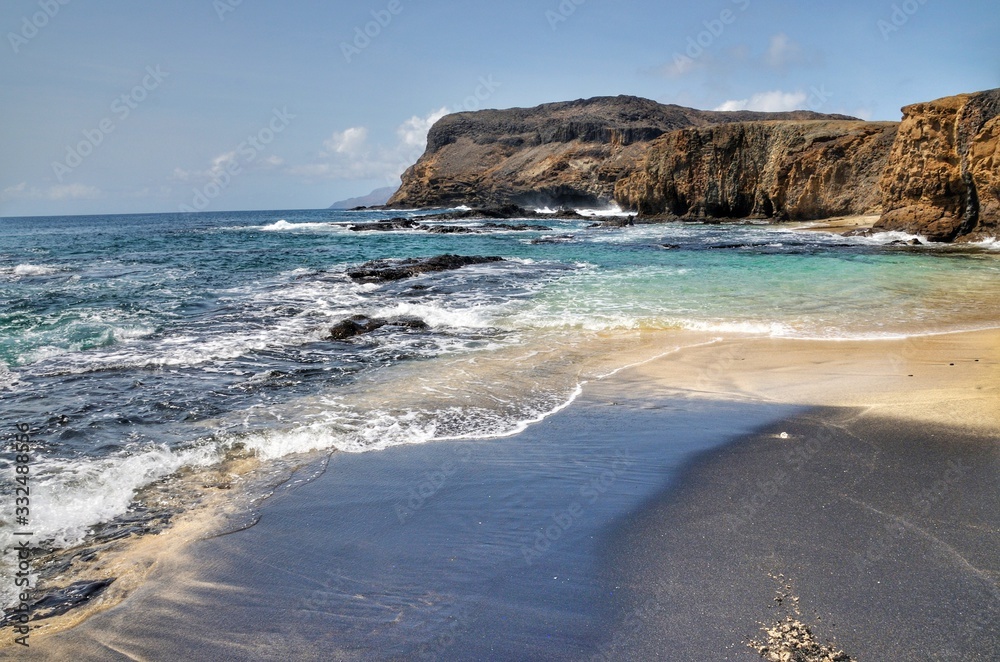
(943, 179)
(381, 271)
(557, 154)
(794, 170)
(357, 325)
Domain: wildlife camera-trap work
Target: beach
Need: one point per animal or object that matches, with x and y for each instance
(656, 517)
(528, 331)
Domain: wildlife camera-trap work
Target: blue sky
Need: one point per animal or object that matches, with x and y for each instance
(117, 106)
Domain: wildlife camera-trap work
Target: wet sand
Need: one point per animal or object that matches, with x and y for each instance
(840, 224)
(643, 522)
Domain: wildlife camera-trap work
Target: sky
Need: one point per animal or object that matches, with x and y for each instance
(118, 106)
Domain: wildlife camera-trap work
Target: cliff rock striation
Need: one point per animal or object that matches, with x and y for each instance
(788, 170)
(936, 174)
(943, 178)
(570, 153)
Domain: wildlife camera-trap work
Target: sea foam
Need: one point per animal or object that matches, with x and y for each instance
(27, 270)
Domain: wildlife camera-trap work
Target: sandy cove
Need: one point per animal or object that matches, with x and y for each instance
(880, 427)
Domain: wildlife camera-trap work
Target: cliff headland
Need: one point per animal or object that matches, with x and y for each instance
(936, 173)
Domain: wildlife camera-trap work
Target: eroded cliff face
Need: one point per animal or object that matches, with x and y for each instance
(570, 153)
(936, 174)
(943, 177)
(794, 170)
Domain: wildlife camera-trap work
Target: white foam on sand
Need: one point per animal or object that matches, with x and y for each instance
(68, 497)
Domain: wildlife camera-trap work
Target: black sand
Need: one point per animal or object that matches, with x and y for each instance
(887, 533)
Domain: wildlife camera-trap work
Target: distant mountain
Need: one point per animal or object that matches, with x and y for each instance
(379, 196)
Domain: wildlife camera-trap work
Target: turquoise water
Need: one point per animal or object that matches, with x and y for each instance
(136, 346)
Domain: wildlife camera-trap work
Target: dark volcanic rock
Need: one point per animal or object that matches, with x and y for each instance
(353, 326)
(510, 211)
(59, 601)
(615, 223)
(380, 271)
(859, 232)
(516, 227)
(357, 325)
(447, 229)
(390, 225)
(501, 212)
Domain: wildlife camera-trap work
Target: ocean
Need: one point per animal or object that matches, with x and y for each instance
(145, 351)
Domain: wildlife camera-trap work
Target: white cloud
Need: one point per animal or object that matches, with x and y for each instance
(216, 167)
(783, 51)
(771, 102)
(413, 132)
(351, 141)
(230, 162)
(349, 154)
(22, 191)
(14, 192)
(73, 191)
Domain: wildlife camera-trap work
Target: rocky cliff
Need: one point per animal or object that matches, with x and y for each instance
(943, 178)
(936, 174)
(778, 169)
(570, 153)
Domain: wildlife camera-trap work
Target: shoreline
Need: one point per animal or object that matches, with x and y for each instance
(954, 382)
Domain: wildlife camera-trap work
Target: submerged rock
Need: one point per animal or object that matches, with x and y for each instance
(390, 225)
(59, 601)
(516, 227)
(357, 325)
(380, 271)
(397, 224)
(618, 222)
(859, 232)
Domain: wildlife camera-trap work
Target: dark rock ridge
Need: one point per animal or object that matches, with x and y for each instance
(357, 325)
(508, 211)
(563, 154)
(943, 179)
(787, 170)
(380, 271)
(504, 212)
